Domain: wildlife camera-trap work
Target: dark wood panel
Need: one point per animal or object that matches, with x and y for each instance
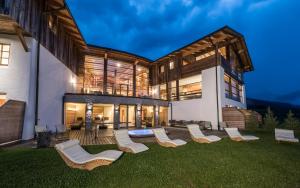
(11, 121)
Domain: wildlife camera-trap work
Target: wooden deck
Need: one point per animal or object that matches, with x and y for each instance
(89, 138)
(106, 136)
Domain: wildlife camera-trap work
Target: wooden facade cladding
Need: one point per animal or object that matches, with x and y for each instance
(63, 40)
(11, 121)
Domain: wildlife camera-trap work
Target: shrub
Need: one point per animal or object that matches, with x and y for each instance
(252, 123)
(270, 121)
(290, 122)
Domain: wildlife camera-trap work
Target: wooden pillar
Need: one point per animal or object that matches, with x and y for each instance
(177, 90)
(156, 116)
(138, 116)
(116, 116)
(134, 79)
(105, 74)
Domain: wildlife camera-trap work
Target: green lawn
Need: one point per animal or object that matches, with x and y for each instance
(262, 163)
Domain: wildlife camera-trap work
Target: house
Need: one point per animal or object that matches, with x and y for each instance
(49, 75)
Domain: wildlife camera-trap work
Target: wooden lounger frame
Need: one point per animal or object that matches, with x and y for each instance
(201, 140)
(237, 139)
(125, 149)
(166, 144)
(86, 166)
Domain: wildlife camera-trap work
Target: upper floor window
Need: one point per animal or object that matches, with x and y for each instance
(4, 54)
(190, 88)
(171, 65)
(162, 69)
(233, 89)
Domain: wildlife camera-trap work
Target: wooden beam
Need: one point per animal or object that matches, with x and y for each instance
(19, 33)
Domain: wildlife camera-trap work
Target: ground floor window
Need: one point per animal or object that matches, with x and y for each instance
(2, 98)
(79, 116)
(233, 89)
(75, 115)
(148, 116)
(103, 115)
(163, 116)
(127, 116)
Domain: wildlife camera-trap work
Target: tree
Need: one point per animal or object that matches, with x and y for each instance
(291, 122)
(252, 122)
(270, 121)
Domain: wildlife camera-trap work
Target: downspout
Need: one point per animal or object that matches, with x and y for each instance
(38, 68)
(217, 83)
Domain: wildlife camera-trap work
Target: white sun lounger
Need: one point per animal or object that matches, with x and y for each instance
(126, 144)
(76, 157)
(235, 135)
(285, 135)
(164, 140)
(198, 136)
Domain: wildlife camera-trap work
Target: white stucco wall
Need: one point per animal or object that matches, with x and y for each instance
(18, 78)
(205, 108)
(55, 81)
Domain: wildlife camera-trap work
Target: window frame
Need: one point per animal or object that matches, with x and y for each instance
(1, 54)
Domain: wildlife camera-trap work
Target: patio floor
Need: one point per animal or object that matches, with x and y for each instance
(105, 136)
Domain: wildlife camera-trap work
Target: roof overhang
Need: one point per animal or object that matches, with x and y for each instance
(221, 37)
(117, 54)
(64, 15)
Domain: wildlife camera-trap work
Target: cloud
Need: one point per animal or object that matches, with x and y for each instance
(259, 5)
(224, 6)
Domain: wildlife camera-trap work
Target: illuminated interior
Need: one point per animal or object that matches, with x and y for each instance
(190, 88)
(147, 116)
(74, 114)
(163, 116)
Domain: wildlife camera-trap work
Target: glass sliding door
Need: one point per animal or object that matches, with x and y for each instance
(103, 115)
(147, 116)
(127, 116)
(163, 116)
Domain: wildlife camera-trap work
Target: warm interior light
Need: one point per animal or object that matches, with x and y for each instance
(139, 69)
(73, 80)
(118, 65)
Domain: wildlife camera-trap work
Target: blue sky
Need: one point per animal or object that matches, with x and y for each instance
(152, 28)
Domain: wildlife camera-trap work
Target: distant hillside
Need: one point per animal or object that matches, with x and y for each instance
(279, 109)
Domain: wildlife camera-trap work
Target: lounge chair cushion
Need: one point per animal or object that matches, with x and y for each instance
(124, 140)
(177, 142)
(197, 133)
(213, 138)
(161, 135)
(75, 153)
(137, 147)
(285, 135)
(234, 133)
(249, 137)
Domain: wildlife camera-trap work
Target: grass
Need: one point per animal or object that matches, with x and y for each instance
(262, 163)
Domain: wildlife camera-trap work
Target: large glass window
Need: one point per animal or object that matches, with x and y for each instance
(142, 81)
(119, 78)
(190, 88)
(127, 116)
(233, 89)
(163, 91)
(173, 90)
(147, 116)
(163, 116)
(93, 74)
(75, 115)
(4, 54)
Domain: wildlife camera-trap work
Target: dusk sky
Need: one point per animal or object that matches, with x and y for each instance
(153, 28)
